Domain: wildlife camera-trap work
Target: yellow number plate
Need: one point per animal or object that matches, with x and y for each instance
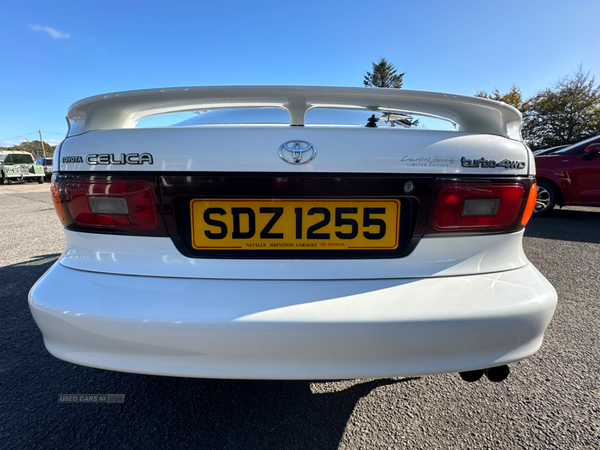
(295, 224)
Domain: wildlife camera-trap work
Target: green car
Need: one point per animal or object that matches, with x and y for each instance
(19, 166)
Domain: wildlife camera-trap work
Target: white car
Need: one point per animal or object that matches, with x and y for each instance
(309, 249)
(46, 163)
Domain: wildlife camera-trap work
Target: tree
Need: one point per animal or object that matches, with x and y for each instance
(34, 147)
(384, 75)
(512, 97)
(565, 114)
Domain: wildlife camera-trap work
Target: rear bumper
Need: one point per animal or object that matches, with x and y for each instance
(291, 329)
(22, 176)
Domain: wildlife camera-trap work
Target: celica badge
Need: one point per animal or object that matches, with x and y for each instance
(110, 158)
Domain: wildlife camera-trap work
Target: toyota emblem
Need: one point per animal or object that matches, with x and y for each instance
(297, 152)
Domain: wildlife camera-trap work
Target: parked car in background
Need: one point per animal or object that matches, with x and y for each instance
(297, 246)
(570, 176)
(46, 163)
(547, 151)
(19, 166)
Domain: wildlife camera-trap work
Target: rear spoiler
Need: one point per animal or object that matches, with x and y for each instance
(126, 109)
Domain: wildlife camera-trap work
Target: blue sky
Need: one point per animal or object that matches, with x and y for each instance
(55, 53)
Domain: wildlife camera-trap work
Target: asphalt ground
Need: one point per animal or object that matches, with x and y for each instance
(550, 401)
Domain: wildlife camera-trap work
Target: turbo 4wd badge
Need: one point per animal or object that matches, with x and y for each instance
(491, 163)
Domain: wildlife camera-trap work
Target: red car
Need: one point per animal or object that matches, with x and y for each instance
(570, 176)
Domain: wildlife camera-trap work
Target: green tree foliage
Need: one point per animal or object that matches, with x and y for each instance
(512, 97)
(384, 75)
(34, 147)
(567, 113)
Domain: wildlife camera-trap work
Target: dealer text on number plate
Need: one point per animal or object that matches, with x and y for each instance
(295, 224)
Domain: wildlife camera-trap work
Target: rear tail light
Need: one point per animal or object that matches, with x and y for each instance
(110, 204)
(130, 204)
(476, 206)
(120, 204)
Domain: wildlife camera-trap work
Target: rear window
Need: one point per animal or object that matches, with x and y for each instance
(252, 116)
(571, 147)
(313, 117)
(381, 118)
(17, 158)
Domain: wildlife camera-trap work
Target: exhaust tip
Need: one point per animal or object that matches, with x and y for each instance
(497, 374)
(471, 375)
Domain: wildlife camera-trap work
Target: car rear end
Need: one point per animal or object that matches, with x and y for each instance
(292, 251)
(47, 165)
(19, 166)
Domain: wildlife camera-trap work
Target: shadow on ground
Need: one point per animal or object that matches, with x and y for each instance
(158, 412)
(566, 225)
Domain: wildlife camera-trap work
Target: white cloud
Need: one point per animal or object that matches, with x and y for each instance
(55, 34)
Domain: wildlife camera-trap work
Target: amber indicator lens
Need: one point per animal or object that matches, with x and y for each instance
(56, 201)
(530, 205)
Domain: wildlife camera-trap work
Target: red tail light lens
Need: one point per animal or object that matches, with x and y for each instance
(474, 206)
(111, 204)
